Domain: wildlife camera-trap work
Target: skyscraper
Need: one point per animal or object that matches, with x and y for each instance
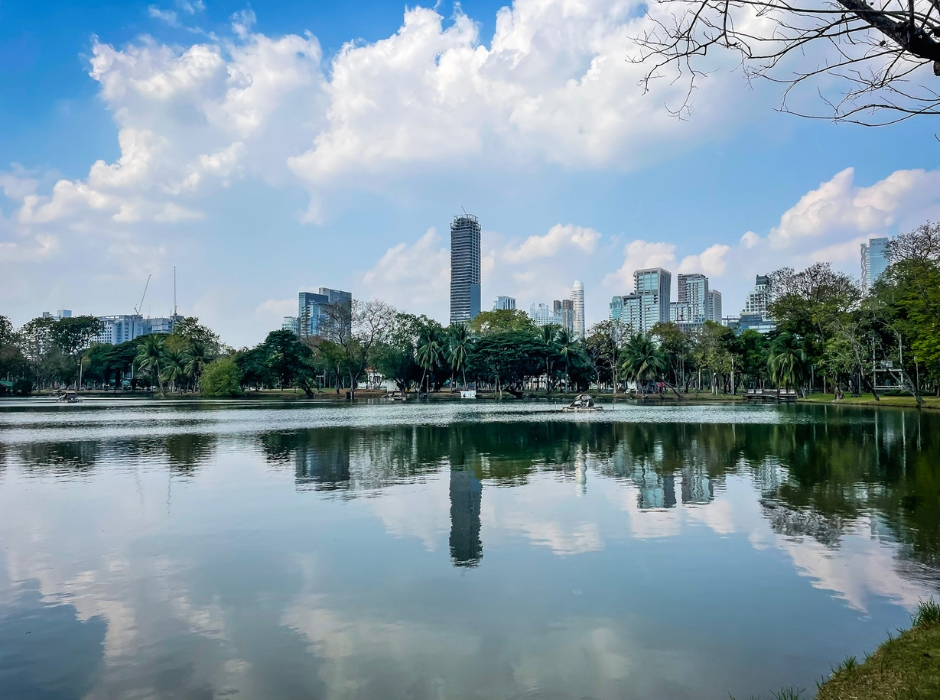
(874, 261)
(693, 290)
(577, 299)
(654, 285)
(464, 268)
(713, 313)
(758, 300)
(314, 315)
(504, 304)
(542, 315)
(564, 313)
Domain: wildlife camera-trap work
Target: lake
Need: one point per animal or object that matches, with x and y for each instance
(455, 550)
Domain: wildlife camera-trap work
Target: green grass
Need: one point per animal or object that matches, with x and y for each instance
(906, 667)
(784, 694)
(905, 400)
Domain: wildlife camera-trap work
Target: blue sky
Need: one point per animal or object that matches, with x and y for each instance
(247, 147)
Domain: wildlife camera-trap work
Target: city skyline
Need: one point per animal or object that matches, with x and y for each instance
(249, 184)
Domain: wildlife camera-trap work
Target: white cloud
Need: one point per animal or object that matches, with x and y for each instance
(549, 245)
(838, 205)
(553, 86)
(639, 254)
(167, 16)
(414, 277)
(710, 261)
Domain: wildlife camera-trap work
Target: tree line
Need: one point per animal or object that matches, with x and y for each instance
(829, 337)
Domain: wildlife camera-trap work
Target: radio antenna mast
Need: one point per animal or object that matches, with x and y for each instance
(174, 290)
(464, 211)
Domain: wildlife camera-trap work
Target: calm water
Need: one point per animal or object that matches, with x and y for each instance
(377, 552)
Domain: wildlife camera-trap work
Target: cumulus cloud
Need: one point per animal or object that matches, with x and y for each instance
(710, 261)
(839, 205)
(639, 254)
(549, 245)
(415, 277)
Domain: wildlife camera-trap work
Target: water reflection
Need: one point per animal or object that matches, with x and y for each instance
(466, 497)
(347, 562)
(46, 651)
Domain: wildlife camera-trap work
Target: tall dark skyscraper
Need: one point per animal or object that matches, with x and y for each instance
(464, 268)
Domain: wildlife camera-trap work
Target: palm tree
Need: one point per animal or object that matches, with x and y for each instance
(174, 367)
(197, 357)
(567, 347)
(429, 353)
(460, 349)
(149, 356)
(548, 338)
(642, 359)
(786, 360)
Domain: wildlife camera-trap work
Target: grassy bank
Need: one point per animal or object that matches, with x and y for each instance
(908, 401)
(906, 667)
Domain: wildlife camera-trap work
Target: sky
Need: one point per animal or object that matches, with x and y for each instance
(267, 149)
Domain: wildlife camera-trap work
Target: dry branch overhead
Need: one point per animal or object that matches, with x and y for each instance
(883, 58)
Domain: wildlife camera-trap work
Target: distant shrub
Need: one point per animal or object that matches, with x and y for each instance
(23, 387)
(221, 378)
(927, 614)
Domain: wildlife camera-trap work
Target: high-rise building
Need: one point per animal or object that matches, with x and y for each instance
(693, 290)
(713, 313)
(318, 312)
(680, 312)
(628, 310)
(874, 261)
(758, 301)
(543, 315)
(504, 304)
(654, 282)
(125, 327)
(564, 313)
(464, 268)
(577, 299)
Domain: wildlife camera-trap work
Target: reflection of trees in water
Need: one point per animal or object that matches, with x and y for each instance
(64, 458)
(817, 473)
(187, 451)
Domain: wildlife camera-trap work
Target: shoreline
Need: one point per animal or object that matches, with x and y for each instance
(864, 401)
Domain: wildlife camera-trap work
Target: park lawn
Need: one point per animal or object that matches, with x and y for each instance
(906, 667)
(869, 400)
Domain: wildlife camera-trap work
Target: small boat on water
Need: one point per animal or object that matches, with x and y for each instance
(395, 396)
(69, 397)
(468, 394)
(583, 403)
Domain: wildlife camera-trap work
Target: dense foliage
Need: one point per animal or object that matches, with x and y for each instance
(829, 337)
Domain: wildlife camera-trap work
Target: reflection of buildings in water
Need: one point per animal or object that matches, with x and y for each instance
(768, 475)
(655, 490)
(697, 486)
(466, 497)
(580, 475)
(322, 467)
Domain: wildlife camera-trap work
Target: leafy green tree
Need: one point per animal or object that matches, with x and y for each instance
(252, 366)
(150, 354)
(458, 349)
(430, 352)
(568, 348)
(676, 347)
(286, 357)
(642, 360)
(603, 346)
(501, 321)
(222, 378)
(188, 331)
(196, 358)
(174, 368)
(506, 359)
(786, 361)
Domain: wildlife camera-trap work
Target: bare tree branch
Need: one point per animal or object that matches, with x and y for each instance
(882, 53)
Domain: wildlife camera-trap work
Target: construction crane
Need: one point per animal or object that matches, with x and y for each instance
(138, 308)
